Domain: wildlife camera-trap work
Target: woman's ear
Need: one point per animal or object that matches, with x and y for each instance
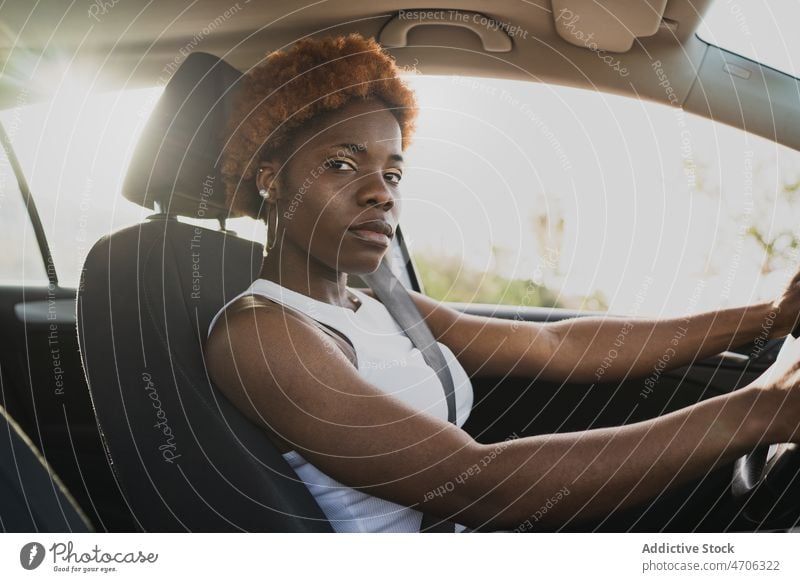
(266, 180)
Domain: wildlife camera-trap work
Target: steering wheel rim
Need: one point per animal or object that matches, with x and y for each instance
(766, 481)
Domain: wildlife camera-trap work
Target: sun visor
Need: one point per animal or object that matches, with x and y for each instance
(611, 25)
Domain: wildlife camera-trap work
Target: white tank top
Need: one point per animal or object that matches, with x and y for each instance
(389, 361)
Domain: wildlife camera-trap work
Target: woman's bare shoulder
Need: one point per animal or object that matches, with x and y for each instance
(248, 308)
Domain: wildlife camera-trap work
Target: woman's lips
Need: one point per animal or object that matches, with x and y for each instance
(370, 236)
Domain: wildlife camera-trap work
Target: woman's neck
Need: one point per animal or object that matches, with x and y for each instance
(306, 276)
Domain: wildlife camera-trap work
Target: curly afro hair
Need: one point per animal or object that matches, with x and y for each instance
(289, 89)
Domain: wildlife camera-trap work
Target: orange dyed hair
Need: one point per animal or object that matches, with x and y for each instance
(290, 88)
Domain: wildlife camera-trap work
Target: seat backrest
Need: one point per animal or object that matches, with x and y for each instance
(32, 497)
(186, 459)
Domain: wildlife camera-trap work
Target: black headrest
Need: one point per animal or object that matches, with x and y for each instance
(177, 160)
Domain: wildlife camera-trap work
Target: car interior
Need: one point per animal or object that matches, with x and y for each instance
(110, 421)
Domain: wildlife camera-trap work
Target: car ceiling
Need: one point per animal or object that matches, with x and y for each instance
(116, 44)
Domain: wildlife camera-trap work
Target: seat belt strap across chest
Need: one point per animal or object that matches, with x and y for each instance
(397, 300)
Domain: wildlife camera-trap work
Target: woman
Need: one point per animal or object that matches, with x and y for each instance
(317, 152)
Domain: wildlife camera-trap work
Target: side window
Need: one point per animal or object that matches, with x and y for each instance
(530, 194)
(74, 151)
(20, 261)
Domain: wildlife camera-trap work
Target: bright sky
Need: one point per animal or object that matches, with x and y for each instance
(654, 202)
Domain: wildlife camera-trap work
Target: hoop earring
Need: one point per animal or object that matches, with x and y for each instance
(272, 231)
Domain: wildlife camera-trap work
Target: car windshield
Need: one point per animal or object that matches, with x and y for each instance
(752, 29)
(513, 192)
(534, 194)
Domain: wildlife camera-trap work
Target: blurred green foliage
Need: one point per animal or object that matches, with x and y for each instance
(445, 278)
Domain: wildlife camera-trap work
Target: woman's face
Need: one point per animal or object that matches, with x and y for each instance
(341, 172)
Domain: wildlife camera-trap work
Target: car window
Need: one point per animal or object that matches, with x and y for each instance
(75, 151)
(532, 194)
(21, 261)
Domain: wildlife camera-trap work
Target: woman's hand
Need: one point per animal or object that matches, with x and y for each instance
(786, 309)
(780, 386)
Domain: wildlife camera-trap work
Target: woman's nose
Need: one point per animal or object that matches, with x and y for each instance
(375, 192)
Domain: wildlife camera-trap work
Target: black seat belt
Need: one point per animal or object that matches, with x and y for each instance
(395, 297)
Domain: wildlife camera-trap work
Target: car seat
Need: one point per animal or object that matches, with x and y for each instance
(185, 458)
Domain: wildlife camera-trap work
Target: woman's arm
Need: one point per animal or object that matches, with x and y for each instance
(593, 349)
(277, 370)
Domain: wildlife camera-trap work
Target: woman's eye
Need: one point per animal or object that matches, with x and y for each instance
(393, 177)
(340, 164)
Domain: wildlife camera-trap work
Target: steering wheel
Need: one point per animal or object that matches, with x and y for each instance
(766, 482)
